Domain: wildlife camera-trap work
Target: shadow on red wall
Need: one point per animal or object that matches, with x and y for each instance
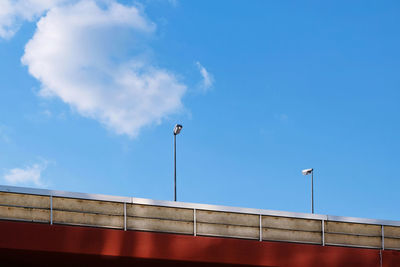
(36, 244)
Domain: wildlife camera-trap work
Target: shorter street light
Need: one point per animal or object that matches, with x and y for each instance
(307, 172)
(177, 130)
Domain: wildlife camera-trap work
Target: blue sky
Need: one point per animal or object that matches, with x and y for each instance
(90, 92)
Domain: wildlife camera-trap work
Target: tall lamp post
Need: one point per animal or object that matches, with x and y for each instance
(307, 172)
(177, 130)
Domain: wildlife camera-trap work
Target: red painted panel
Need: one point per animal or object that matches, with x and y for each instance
(390, 258)
(10, 257)
(88, 241)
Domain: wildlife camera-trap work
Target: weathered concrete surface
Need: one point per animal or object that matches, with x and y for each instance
(89, 219)
(292, 235)
(353, 240)
(392, 243)
(353, 228)
(210, 229)
(88, 206)
(24, 200)
(26, 214)
(148, 211)
(228, 218)
(159, 225)
(291, 223)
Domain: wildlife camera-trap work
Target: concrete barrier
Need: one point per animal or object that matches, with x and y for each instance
(159, 225)
(24, 207)
(88, 206)
(24, 214)
(194, 219)
(159, 219)
(392, 237)
(353, 234)
(227, 224)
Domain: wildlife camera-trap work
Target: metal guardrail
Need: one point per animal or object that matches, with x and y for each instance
(129, 213)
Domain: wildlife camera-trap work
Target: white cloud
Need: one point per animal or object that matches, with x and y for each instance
(14, 12)
(92, 58)
(208, 79)
(30, 175)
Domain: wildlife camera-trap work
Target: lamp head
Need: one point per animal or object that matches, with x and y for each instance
(177, 129)
(307, 171)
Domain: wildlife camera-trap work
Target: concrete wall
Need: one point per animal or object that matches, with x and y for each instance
(159, 219)
(132, 216)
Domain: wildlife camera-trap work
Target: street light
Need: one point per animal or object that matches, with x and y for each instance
(307, 172)
(177, 130)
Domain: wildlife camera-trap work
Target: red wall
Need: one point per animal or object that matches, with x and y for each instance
(37, 243)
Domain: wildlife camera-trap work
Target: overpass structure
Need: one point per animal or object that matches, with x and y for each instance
(45, 227)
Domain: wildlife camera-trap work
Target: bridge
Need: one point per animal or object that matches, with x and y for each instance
(45, 228)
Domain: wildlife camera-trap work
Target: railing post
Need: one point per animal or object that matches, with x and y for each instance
(194, 223)
(51, 210)
(383, 236)
(124, 216)
(261, 228)
(323, 231)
